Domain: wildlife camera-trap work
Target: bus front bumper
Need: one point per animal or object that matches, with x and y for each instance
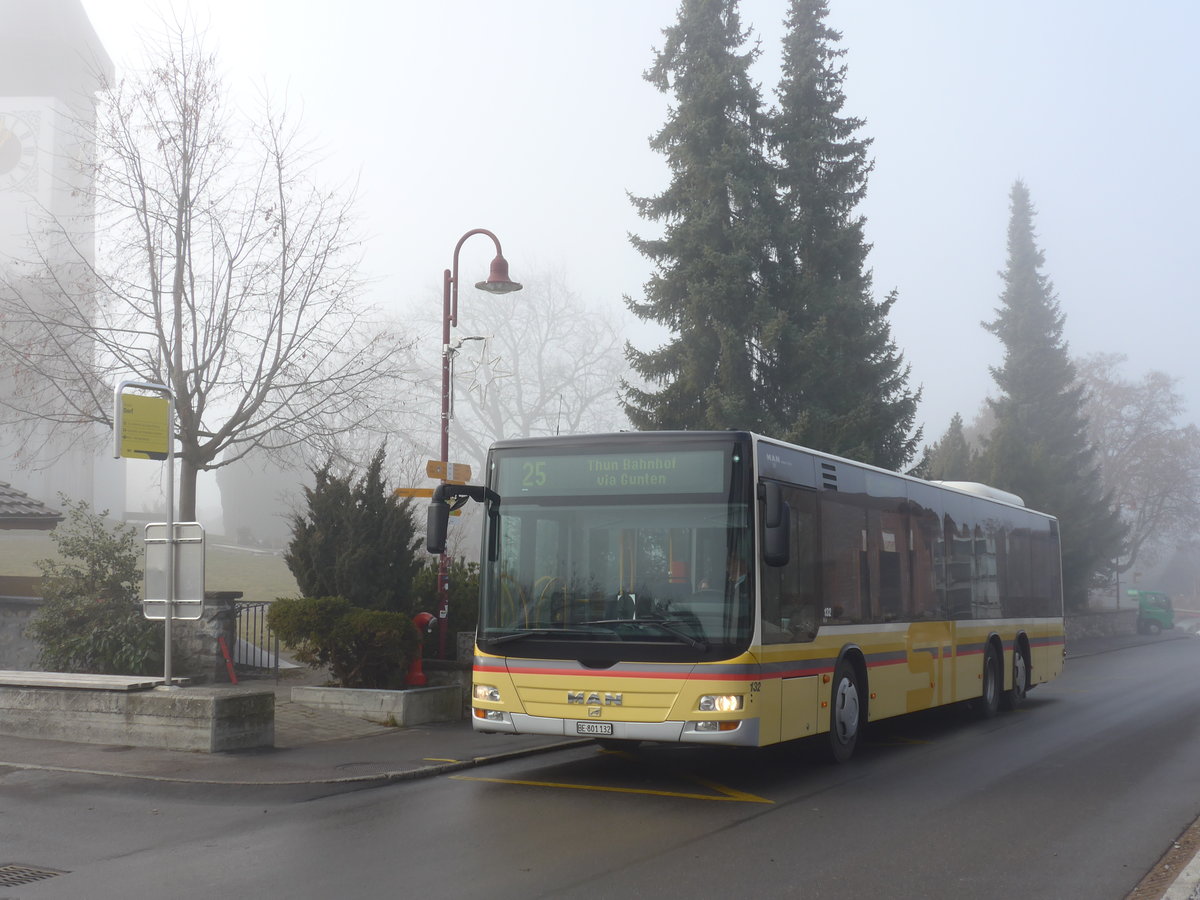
(744, 735)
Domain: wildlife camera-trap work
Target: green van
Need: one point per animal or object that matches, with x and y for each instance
(1154, 612)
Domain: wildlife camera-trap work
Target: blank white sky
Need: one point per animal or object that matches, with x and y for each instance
(531, 118)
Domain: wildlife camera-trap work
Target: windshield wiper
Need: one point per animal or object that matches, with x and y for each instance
(664, 624)
(539, 632)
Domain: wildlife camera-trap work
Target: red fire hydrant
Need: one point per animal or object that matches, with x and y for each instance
(425, 623)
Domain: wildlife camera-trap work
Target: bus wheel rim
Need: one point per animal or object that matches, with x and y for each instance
(845, 710)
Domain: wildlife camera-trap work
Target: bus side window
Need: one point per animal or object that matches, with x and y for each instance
(790, 599)
(845, 561)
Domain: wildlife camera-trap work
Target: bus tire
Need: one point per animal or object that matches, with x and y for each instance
(1015, 698)
(845, 712)
(989, 703)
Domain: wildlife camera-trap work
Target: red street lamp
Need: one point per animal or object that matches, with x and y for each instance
(497, 282)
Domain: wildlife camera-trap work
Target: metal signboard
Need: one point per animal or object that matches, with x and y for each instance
(143, 426)
(187, 599)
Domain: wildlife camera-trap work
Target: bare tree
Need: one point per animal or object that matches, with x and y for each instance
(224, 271)
(548, 364)
(1149, 462)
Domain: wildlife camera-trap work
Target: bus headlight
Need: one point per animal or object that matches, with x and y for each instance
(486, 692)
(720, 703)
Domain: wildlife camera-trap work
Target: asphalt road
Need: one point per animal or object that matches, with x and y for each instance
(1075, 796)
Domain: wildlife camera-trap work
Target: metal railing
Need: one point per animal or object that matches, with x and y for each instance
(257, 646)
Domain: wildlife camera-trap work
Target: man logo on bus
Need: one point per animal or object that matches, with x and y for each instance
(593, 699)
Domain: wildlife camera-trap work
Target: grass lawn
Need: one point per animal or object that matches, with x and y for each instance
(258, 575)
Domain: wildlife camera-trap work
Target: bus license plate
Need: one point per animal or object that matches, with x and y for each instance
(594, 728)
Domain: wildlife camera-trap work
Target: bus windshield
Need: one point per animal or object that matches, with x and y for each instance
(617, 556)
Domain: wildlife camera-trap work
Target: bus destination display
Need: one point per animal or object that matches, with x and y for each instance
(673, 472)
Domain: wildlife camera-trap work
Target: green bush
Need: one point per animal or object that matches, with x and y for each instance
(361, 648)
(91, 620)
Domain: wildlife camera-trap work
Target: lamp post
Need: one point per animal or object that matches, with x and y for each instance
(497, 282)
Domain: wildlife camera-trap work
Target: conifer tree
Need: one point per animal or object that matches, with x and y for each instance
(760, 272)
(951, 458)
(712, 260)
(836, 379)
(1039, 447)
(357, 540)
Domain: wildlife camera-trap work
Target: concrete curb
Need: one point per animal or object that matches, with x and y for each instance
(1096, 646)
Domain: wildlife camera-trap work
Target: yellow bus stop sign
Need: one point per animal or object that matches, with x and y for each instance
(144, 426)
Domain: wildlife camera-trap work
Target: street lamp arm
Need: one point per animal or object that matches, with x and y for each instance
(497, 282)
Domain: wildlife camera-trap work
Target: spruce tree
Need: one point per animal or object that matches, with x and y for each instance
(1039, 446)
(836, 380)
(712, 262)
(951, 458)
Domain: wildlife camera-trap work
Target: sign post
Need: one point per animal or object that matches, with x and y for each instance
(142, 431)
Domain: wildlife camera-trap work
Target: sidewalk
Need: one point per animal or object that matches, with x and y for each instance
(314, 746)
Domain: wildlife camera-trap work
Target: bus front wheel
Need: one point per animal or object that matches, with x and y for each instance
(845, 712)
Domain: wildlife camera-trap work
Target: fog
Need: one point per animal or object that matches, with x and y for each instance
(532, 119)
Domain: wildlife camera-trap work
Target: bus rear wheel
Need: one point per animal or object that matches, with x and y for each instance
(845, 712)
(989, 704)
(1015, 698)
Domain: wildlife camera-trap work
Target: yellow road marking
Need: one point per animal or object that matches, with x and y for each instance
(724, 793)
(728, 791)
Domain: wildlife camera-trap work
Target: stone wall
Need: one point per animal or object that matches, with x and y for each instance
(17, 650)
(196, 652)
(202, 719)
(1101, 623)
(403, 709)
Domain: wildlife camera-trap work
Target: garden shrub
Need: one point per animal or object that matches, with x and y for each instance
(361, 648)
(91, 620)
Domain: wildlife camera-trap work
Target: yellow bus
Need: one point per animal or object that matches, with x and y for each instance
(726, 588)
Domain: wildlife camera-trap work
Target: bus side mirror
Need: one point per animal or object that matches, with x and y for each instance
(777, 519)
(446, 499)
(436, 525)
